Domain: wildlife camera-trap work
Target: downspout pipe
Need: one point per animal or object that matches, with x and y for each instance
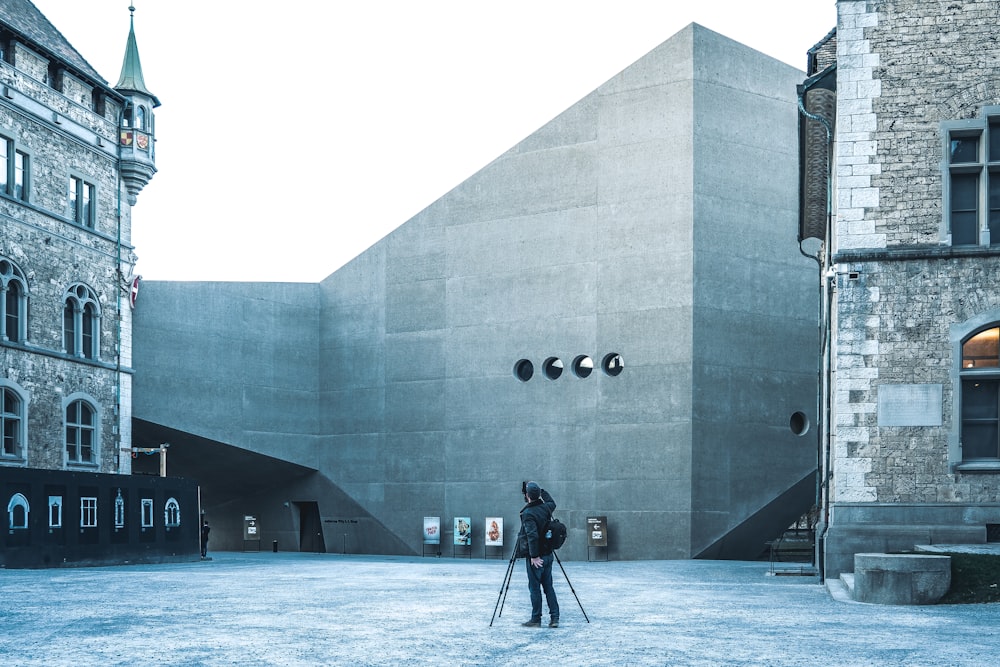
(823, 398)
(120, 281)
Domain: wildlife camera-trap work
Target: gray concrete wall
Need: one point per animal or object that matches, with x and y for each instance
(232, 362)
(755, 342)
(584, 239)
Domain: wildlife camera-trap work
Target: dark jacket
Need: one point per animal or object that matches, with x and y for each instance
(534, 518)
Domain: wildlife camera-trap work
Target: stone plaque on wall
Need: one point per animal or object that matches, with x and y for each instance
(909, 405)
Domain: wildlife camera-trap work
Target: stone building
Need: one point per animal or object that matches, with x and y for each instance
(615, 307)
(74, 153)
(913, 453)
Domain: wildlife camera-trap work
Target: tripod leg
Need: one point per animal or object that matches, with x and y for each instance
(505, 584)
(570, 585)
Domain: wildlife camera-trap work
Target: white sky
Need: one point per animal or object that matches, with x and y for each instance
(293, 137)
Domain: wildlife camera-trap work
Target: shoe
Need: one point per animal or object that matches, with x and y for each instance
(533, 624)
(553, 622)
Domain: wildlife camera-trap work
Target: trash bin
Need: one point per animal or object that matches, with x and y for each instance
(274, 546)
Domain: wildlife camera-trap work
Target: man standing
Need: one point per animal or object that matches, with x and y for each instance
(205, 530)
(532, 546)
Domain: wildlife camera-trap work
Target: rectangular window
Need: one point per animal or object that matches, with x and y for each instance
(82, 202)
(55, 511)
(88, 512)
(980, 419)
(4, 161)
(11, 436)
(13, 170)
(964, 208)
(972, 180)
(69, 329)
(12, 312)
(20, 175)
(147, 512)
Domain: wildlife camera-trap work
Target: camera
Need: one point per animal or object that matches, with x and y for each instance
(524, 487)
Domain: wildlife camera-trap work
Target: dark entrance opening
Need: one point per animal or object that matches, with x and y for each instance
(310, 527)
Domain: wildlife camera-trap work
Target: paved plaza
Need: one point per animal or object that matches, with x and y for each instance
(324, 609)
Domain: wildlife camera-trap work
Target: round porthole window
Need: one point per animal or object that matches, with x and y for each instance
(613, 364)
(553, 368)
(799, 423)
(583, 366)
(523, 370)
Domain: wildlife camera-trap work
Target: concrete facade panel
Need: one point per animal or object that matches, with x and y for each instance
(552, 292)
(576, 125)
(358, 410)
(528, 243)
(415, 406)
(628, 228)
(356, 366)
(416, 356)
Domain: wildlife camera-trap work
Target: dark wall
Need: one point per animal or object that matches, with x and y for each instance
(62, 541)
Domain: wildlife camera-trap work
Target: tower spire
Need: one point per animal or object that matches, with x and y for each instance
(131, 77)
(138, 129)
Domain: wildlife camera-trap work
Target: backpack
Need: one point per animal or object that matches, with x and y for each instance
(555, 533)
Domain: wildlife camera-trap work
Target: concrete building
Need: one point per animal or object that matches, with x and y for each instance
(74, 154)
(615, 307)
(913, 452)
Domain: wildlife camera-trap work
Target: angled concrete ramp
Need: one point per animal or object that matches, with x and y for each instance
(748, 540)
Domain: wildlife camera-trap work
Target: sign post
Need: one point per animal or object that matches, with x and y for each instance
(597, 534)
(251, 531)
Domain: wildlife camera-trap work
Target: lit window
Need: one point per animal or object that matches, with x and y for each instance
(980, 376)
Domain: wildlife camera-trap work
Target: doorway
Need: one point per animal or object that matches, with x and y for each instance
(310, 527)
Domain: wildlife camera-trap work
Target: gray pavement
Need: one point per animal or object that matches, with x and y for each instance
(326, 609)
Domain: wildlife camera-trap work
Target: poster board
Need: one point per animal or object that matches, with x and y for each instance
(432, 530)
(494, 531)
(463, 531)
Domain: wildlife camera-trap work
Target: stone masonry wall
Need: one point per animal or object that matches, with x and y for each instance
(53, 252)
(904, 67)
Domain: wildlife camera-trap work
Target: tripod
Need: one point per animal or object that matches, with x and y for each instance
(505, 586)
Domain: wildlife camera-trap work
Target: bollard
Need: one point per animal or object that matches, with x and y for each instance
(274, 546)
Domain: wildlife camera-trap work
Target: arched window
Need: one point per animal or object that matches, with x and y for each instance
(13, 422)
(172, 513)
(81, 322)
(17, 512)
(140, 118)
(13, 302)
(980, 395)
(81, 433)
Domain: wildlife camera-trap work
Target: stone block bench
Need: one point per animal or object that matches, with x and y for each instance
(901, 578)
